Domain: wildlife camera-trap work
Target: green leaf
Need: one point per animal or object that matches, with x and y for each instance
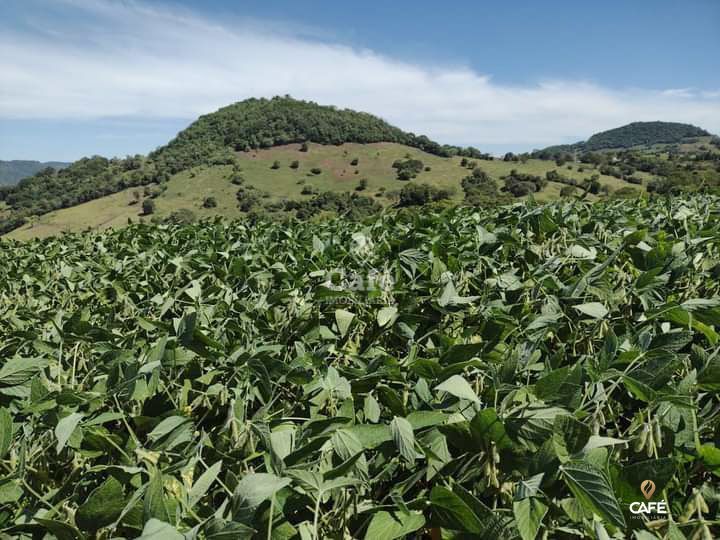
(202, 484)
(253, 489)
(155, 503)
(386, 315)
(388, 526)
(486, 427)
(569, 437)
(592, 488)
(459, 510)
(593, 309)
(156, 529)
(102, 507)
(529, 514)
(402, 434)
(59, 529)
(18, 370)
(371, 409)
(458, 387)
(65, 428)
(343, 319)
(6, 431)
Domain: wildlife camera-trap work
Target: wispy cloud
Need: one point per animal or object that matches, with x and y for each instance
(137, 60)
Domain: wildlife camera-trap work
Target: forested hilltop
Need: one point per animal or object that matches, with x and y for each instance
(284, 157)
(643, 133)
(631, 135)
(212, 140)
(263, 123)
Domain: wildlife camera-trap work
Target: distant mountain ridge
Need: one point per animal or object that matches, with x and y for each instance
(11, 172)
(633, 135)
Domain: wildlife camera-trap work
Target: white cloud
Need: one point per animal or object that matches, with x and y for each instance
(132, 60)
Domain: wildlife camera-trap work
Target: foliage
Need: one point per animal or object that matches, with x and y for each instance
(13, 171)
(421, 194)
(209, 202)
(520, 184)
(643, 133)
(261, 123)
(526, 369)
(408, 168)
(148, 206)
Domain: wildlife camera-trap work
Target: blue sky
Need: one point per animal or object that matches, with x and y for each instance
(80, 77)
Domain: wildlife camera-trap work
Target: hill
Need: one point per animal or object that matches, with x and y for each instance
(643, 134)
(283, 156)
(13, 171)
(284, 180)
(212, 140)
(635, 134)
(253, 155)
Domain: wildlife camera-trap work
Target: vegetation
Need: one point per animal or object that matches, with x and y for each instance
(408, 168)
(636, 134)
(643, 133)
(510, 372)
(13, 171)
(148, 207)
(421, 194)
(262, 123)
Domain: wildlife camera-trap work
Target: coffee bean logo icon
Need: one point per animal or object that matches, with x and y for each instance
(648, 488)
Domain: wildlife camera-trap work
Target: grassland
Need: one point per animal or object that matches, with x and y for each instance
(189, 188)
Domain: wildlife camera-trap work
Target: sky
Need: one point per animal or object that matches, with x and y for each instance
(119, 77)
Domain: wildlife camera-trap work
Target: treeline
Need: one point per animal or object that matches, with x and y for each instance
(84, 180)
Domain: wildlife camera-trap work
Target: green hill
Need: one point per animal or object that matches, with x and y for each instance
(212, 140)
(636, 134)
(643, 134)
(13, 171)
(264, 123)
(283, 156)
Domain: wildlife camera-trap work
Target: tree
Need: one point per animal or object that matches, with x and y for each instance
(148, 207)
(209, 202)
(275, 165)
(362, 185)
(354, 162)
(304, 147)
(294, 164)
(421, 194)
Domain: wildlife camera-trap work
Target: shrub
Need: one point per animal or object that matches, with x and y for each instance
(209, 202)
(316, 170)
(148, 207)
(275, 165)
(408, 168)
(354, 162)
(304, 147)
(294, 164)
(362, 185)
(420, 194)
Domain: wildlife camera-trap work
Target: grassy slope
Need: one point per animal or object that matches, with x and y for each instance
(188, 189)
